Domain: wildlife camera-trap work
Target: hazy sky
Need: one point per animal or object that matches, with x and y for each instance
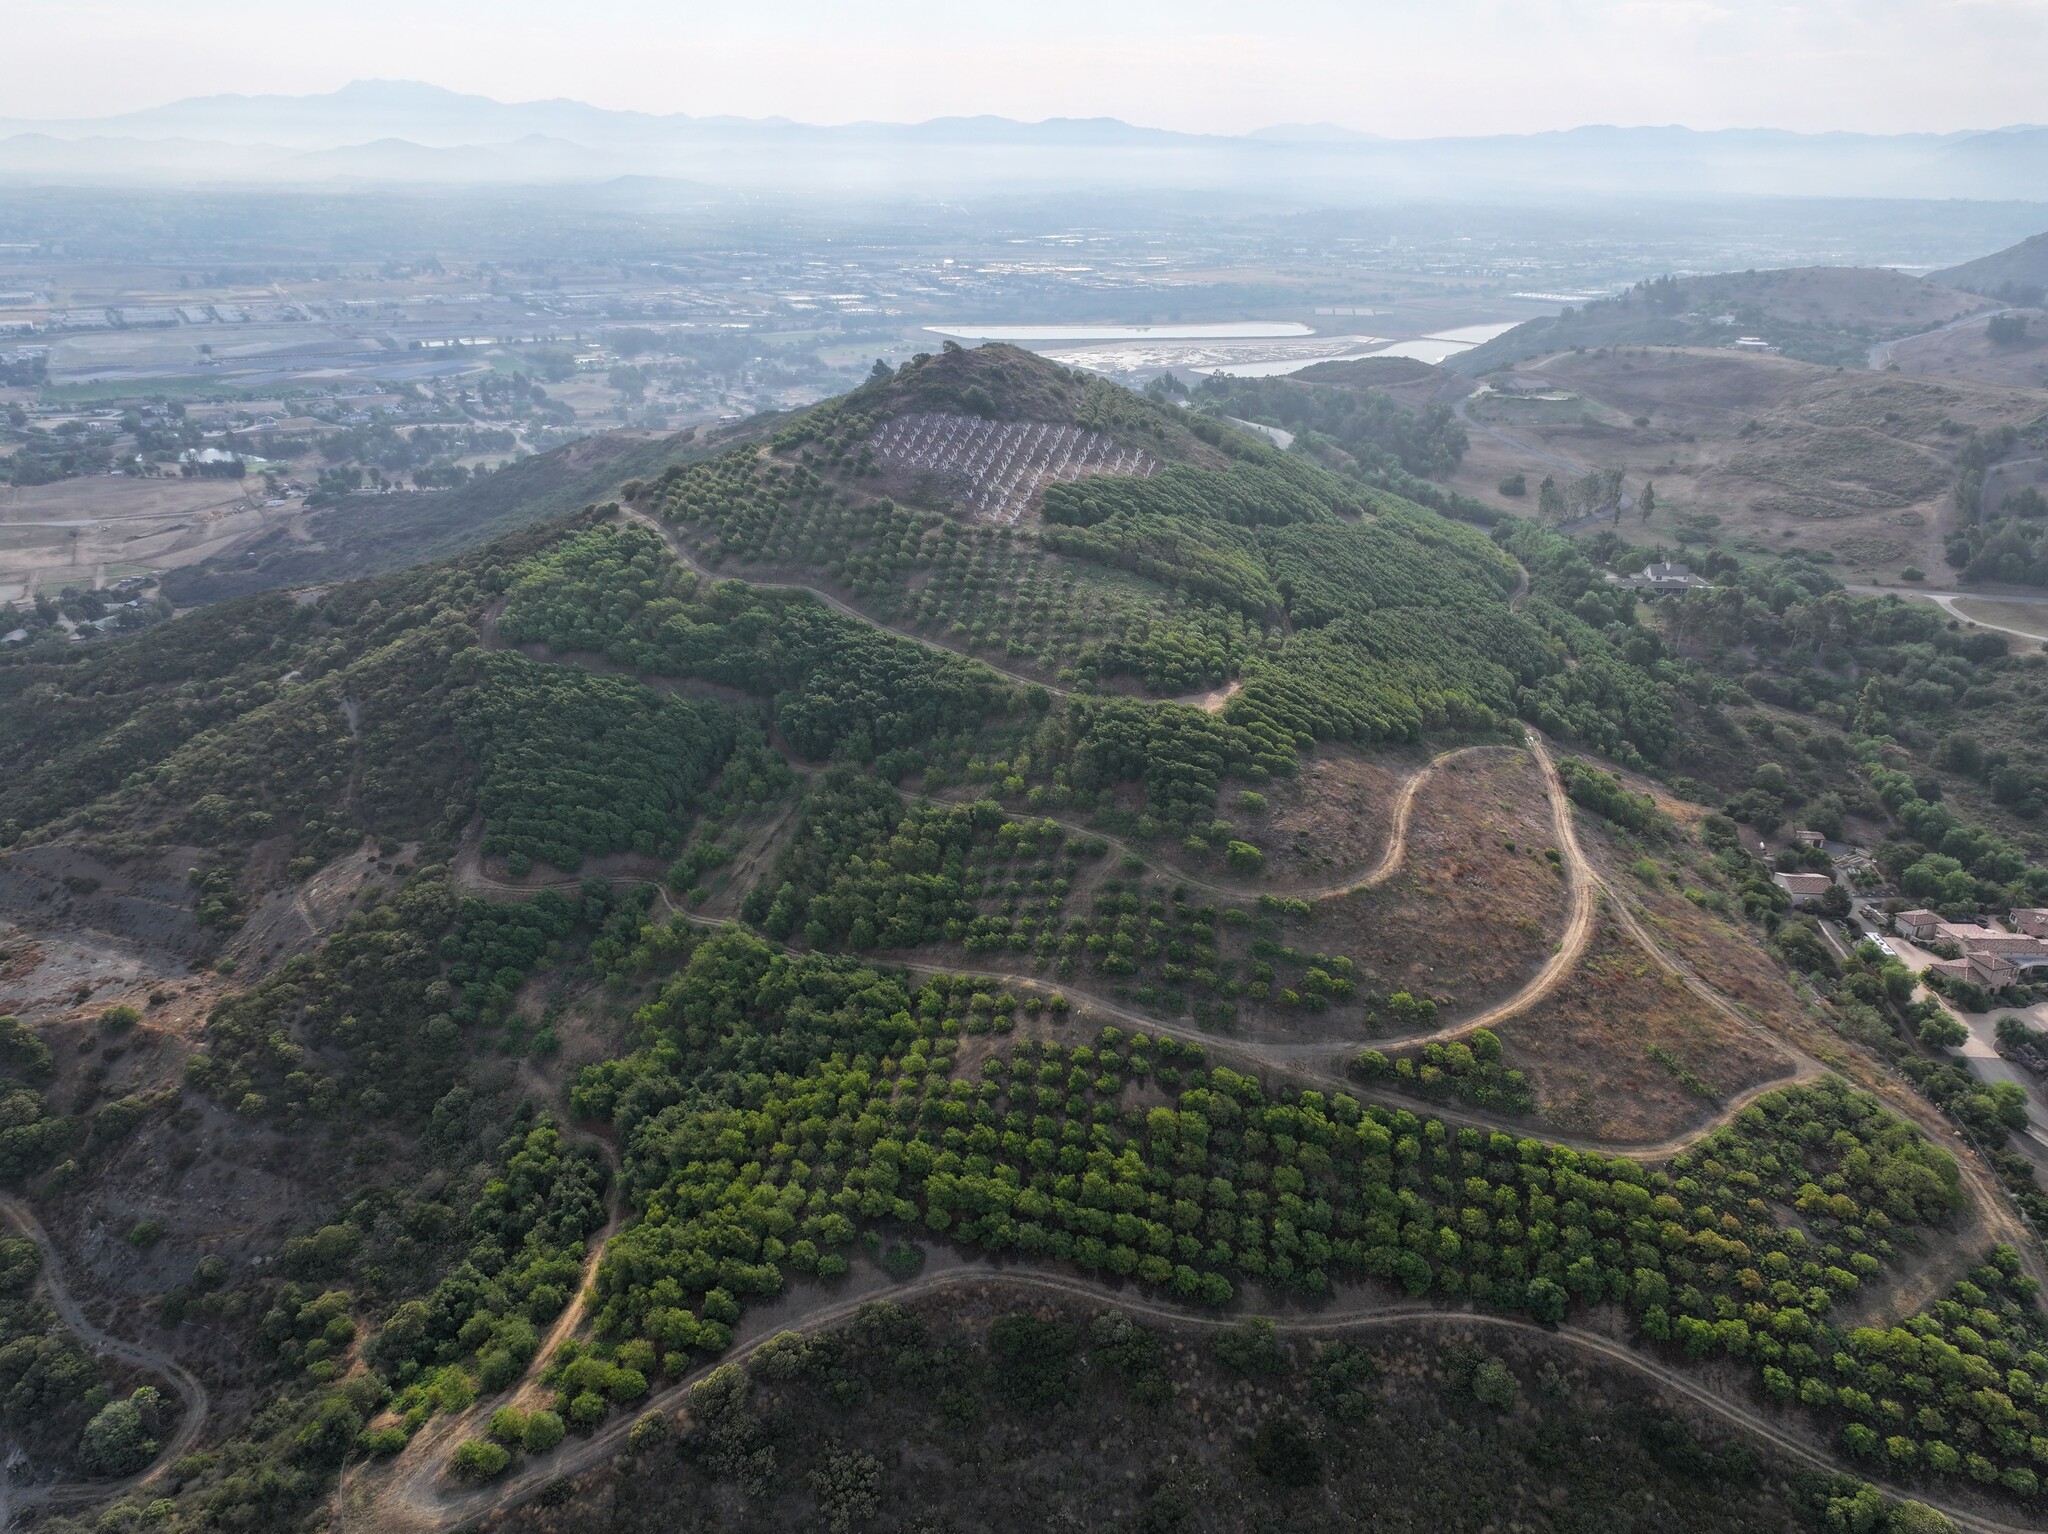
(1400, 67)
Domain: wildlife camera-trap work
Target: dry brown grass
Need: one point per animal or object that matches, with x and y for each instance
(1625, 1052)
(1967, 353)
(1330, 819)
(1851, 463)
(2027, 617)
(1476, 906)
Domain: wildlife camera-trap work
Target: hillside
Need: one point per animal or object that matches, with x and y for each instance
(371, 534)
(1828, 314)
(1040, 859)
(2016, 275)
(1749, 455)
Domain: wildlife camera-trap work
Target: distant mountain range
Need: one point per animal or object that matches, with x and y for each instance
(382, 130)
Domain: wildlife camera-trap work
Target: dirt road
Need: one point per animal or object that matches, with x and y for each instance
(1462, 408)
(1209, 699)
(418, 1498)
(192, 1397)
(1947, 600)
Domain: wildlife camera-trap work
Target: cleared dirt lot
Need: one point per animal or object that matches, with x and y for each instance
(1626, 1053)
(77, 531)
(1478, 904)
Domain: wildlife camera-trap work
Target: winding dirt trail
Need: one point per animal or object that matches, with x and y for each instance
(1325, 1061)
(1209, 699)
(191, 1393)
(416, 1495)
(417, 1498)
(1392, 855)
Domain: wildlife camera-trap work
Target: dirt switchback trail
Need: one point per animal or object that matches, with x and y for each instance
(415, 1494)
(419, 1498)
(1210, 700)
(1384, 867)
(688, 559)
(1323, 1062)
(191, 1394)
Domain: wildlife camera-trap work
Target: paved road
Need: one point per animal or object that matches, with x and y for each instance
(1980, 1050)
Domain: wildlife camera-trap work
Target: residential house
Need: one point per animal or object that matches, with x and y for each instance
(1805, 889)
(1917, 926)
(1991, 958)
(1663, 577)
(1985, 969)
(2033, 922)
(1809, 838)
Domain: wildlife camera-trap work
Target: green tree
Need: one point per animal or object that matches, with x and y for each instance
(121, 1439)
(478, 1459)
(1494, 1384)
(1250, 1347)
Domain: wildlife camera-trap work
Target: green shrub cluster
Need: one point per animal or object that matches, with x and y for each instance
(482, 1322)
(1604, 794)
(31, 1136)
(1273, 491)
(1470, 1070)
(49, 1385)
(371, 1024)
(1368, 424)
(1959, 866)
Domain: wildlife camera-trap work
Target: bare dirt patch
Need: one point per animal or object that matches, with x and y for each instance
(73, 532)
(1967, 353)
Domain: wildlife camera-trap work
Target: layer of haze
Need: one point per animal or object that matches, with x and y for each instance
(1404, 68)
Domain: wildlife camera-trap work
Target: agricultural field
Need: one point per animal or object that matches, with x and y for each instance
(995, 470)
(86, 531)
(697, 939)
